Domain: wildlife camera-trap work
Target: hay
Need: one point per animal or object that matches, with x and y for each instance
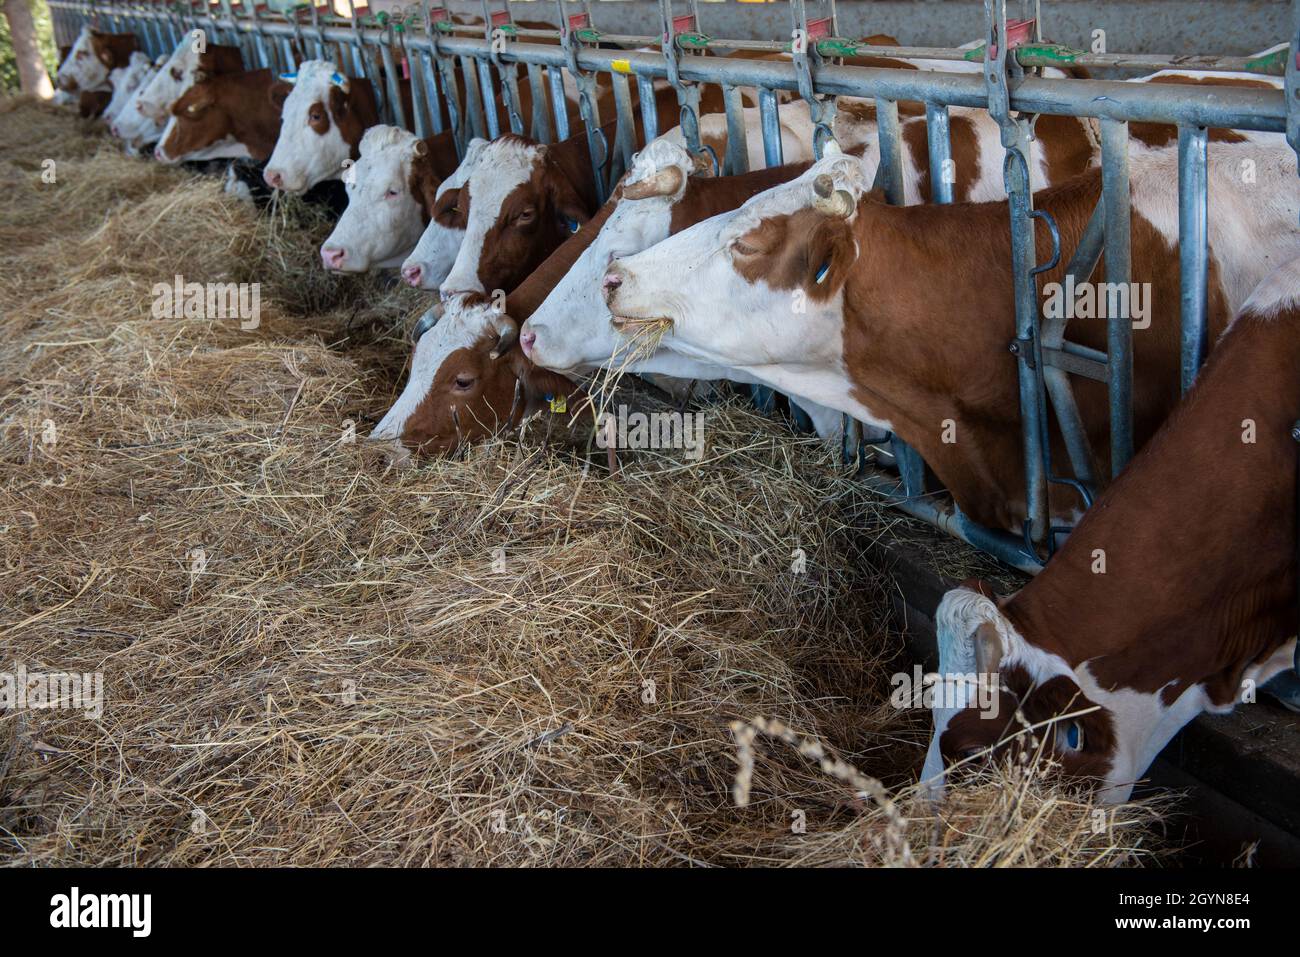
(503, 658)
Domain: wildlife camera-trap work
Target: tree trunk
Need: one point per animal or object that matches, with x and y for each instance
(32, 77)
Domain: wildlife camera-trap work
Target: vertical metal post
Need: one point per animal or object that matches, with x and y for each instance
(1119, 329)
(559, 102)
(645, 90)
(737, 158)
(773, 149)
(489, 101)
(1193, 248)
(940, 152)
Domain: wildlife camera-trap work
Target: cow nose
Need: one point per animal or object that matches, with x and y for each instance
(413, 274)
(526, 339)
(273, 178)
(333, 256)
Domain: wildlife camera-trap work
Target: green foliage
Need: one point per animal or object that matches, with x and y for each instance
(44, 35)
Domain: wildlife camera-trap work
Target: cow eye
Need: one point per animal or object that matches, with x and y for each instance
(527, 215)
(82, 54)
(176, 74)
(390, 193)
(464, 383)
(1070, 737)
(742, 248)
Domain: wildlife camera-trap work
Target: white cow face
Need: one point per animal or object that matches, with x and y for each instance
(430, 262)
(83, 69)
(176, 76)
(571, 330)
(755, 288)
(132, 127)
(383, 219)
(126, 80)
(311, 147)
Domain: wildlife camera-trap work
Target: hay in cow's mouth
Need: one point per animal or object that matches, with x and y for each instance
(498, 658)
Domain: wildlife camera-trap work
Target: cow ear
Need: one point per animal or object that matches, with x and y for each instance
(832, 251)
(106, 57)
(202, 100)
(278, 93)
(565, 201)
(988, 648)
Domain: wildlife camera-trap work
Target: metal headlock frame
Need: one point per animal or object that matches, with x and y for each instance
(1008, 89)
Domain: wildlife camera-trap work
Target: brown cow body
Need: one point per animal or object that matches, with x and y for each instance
(232, 115)
(1177, 591)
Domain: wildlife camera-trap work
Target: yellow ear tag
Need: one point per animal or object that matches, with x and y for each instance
(560, 404)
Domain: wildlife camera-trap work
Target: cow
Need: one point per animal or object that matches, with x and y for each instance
(192, 61)
(468, 381)
(662, 194)
(92, 58)
(322, 119)
(126, 81)
(229, 116)
(394, 191)
(902, 316)
(133, 128)
(1195, 603)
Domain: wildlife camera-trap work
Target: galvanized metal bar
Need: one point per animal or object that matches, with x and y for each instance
(737, 154)
(489, 102)
(541, 118)
(1193, 249)
(625, 135)
(393, 84)
(770, 118)
(645, 89)
(473, 101)
(889, 175)
(942, 171)
(1119, 329)
(559, 101)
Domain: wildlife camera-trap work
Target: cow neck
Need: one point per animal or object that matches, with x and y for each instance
(1190, 593)
(254, 121)
(708, 196)
(532, 292)
(572, 157)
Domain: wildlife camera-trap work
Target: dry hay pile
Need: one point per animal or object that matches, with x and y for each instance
(507, 658)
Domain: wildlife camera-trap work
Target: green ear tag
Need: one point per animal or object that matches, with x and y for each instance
(560, 403)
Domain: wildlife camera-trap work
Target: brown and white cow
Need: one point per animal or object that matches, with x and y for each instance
(230, 116)
(92, 58)
(323, 117)
(469, 380)
(193, 61)
(902, 316)
(394, 190)
(126, 81)
(1193, 602)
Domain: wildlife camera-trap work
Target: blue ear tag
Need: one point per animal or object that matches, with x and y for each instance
(338, 79)
(572, 225)
(289, 77)
(822, 272)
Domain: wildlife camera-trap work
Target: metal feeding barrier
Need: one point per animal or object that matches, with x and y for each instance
(424, 46)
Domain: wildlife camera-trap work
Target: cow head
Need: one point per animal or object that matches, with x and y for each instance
(93, 57)
(520, 205)
(428, 264)
(131, 126)
(191, 62)
(1034, 702)
(387, 191)
(468, 381)
(126, 81)
(204, 120)
(571, 329)
(759, 287)
(321, 123)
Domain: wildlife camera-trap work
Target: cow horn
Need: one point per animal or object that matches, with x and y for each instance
(830, 201)
(666, 182)
(507, 332)
(427, 321)
(419, 148)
